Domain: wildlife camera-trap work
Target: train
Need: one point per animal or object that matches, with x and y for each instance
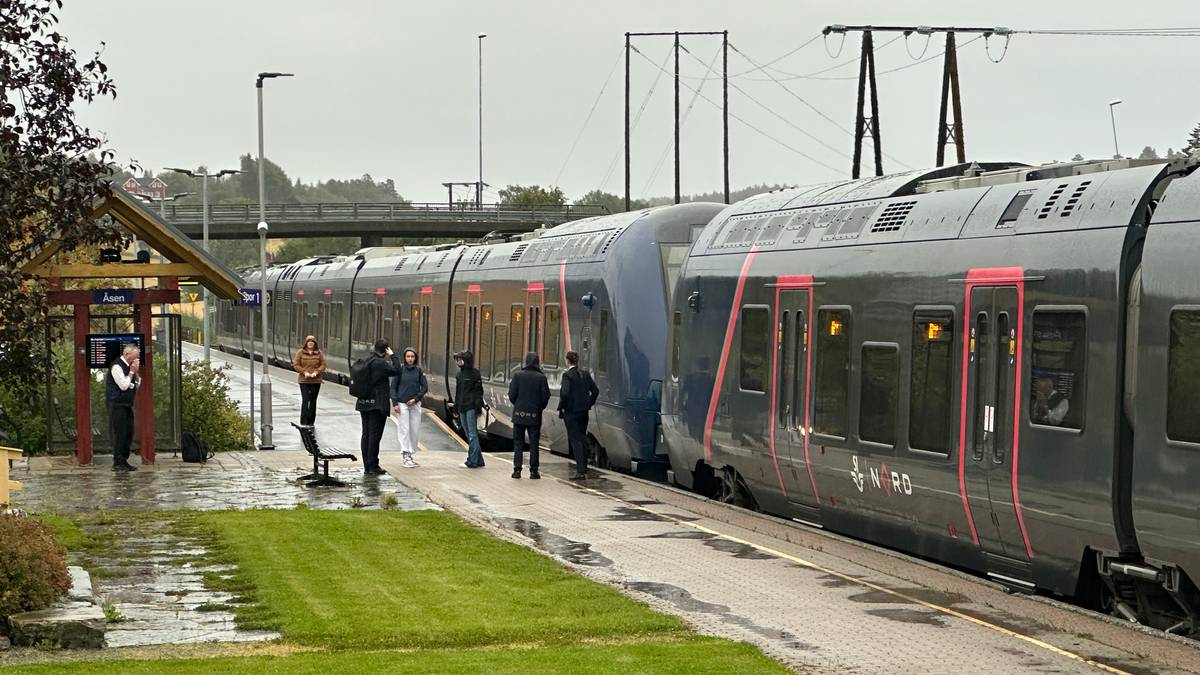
(991, 366)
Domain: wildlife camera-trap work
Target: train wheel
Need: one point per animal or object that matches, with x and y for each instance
(599, 458)
(732, 489)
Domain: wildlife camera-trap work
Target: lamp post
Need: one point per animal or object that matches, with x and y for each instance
(479, 186)
(265, 393)
(204, 176)
(1112, 116)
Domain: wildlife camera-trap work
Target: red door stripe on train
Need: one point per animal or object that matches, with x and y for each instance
(994, 276)
(733, 314)
(793, 282)
(562, 294)
(473, 288)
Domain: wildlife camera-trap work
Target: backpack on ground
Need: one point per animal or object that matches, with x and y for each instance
(360, 379)
(194, 449)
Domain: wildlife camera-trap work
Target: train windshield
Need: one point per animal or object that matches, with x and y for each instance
(673, 255)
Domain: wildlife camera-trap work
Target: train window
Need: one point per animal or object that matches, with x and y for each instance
(414, 326)
(473, 327)
(676, 330)
(535, 327)
(553, 349)
(755, 348)
(516, 332)
(602, 343)
(379, 331)
(1183, 376)
(425, 326)
(786, 371)
(877, 395)
(498, 355)
(483, 360)
(930, 403)
(1014, 208)
(1058, 377)
(833, 372)
(460, 319)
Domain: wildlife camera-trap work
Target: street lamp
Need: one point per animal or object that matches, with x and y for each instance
(204, 176)
(479, 187)
(1113, 118)
(265, 394)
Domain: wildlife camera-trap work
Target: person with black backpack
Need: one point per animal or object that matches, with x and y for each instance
(576, 396)
(530, 394)
(369, 384)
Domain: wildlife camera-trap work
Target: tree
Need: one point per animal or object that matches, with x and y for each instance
(533, 195)
(614, 203)
(51, 169)
(1148, 153)
(1173, 154)
(1077, 158)
(276, 184)
(1193, 141)
(295, 249)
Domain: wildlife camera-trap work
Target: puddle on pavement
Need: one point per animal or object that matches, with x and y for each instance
(631, 514)
(737, 549)
(923, 594)
(906, 615)
(577, 552)
(679, 534)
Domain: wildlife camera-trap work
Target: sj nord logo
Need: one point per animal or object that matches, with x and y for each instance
(880, 477)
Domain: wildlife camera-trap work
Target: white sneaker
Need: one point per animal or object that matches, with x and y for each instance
(409, 463)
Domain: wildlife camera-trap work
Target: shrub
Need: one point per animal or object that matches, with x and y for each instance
(208, 411)
(33, 568)
(22, 422)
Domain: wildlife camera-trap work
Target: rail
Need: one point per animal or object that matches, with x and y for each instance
(192, 214)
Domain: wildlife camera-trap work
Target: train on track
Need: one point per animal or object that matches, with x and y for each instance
(996, 367)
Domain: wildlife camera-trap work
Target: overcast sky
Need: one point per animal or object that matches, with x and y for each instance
(389, 88)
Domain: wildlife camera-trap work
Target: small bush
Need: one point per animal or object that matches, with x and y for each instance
(22, 422)
(208, 411)
(33, 568)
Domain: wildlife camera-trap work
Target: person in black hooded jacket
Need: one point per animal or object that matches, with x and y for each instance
(381, 364)
(530, 394)
(468, 404)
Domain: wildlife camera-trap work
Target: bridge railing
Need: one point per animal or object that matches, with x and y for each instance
(342, 212)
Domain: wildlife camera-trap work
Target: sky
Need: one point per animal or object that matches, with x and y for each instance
(390, 88)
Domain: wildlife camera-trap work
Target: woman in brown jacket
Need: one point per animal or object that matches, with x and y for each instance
(310, 364)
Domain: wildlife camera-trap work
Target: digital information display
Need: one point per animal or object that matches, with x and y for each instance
(104, 348)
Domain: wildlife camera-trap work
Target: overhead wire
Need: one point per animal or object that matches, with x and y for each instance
(645, 100)
(750, 126)
(662, 158)
(588, 119)
(812, 107)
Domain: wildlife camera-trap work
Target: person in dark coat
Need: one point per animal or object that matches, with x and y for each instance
(468, 404)
(120, 387)
(530, 394)
(408, 391)
(381, 364)
(576, 396)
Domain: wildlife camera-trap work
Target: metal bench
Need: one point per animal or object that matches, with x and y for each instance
(317, 478)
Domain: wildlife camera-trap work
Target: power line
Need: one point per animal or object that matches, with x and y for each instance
(645, 100)
(588, 119)
(750, 126)
(662, 158)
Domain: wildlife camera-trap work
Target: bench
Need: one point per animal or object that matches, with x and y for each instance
(308, 436)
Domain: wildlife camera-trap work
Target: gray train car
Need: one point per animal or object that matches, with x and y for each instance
(940, 364)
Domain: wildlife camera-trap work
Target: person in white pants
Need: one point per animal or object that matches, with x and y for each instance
(408, 389)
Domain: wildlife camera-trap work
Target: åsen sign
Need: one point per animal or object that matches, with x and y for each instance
(112, 296)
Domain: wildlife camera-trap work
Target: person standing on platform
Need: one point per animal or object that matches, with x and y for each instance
(530, 394)
(576, 396)
(408, 389)
(468, 404)
(309, 362)
(381, 364)
(120, 387)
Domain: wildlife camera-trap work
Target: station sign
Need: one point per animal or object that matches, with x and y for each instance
(112, 296)
(251, 297)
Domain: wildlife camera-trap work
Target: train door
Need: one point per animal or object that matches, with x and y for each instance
(472, 338)
(992, 363)
(790, 395)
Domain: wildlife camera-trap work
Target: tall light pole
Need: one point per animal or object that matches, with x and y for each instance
(204, 176)
(479, 186)
(1112, 116)
(265, 393)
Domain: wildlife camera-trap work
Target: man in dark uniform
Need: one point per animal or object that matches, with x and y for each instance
(529, 394)
(576, 396)
(120, 385)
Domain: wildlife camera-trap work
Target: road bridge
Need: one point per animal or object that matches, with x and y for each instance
(372, 222)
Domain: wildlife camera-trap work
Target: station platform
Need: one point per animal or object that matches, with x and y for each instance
(813, 600)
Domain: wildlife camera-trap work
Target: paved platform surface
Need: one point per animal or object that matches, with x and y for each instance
(815, 601)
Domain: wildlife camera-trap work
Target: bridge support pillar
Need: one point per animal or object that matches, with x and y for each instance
(369, 240)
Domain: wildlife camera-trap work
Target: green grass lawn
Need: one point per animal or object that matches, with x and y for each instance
(693, 655)
(423, 592)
